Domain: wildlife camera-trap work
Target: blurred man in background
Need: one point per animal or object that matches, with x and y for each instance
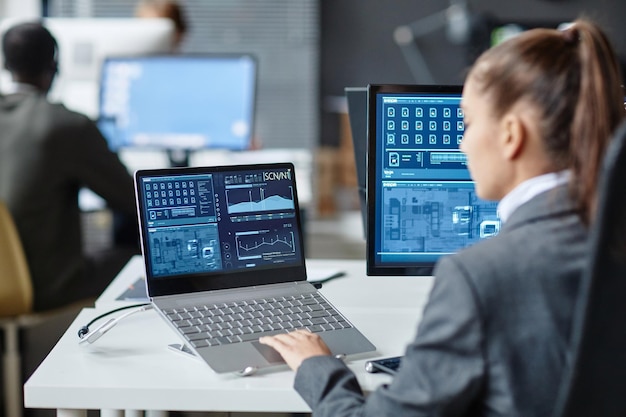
(47, 154)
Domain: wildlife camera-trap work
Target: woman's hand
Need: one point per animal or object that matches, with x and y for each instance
(296, 346)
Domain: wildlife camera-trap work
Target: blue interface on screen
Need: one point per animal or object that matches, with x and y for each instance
(221, 221)
(178, 102)
(425, 203)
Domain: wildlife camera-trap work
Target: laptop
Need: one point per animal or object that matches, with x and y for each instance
(225, 265)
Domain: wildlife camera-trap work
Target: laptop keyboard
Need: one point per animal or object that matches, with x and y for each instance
(248, 320)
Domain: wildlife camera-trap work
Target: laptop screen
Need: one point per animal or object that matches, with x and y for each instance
(219, 227)
(421, 200)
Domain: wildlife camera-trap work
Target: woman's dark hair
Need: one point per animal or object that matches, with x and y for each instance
(574, 79)
(29, 49)
(170, 9)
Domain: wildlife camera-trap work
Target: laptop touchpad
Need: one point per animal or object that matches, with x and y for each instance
(271, 355)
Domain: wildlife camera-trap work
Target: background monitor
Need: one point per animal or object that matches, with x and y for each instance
(357, 115)
(84, 43)
(421, 201)
(178, 101)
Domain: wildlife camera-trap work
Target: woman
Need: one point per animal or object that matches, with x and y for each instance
(169, 9)
(494, 337)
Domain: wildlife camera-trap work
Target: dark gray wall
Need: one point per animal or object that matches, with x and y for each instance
(357, 43)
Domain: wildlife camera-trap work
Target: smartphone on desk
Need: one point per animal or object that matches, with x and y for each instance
(386, 365)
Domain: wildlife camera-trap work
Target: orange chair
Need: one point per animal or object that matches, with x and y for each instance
(16, 313)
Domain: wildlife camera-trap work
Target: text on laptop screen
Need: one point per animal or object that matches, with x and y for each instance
(214, 222)
(178, 101)
(421, 200)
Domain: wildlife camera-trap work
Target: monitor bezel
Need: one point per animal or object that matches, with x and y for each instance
(375, 268)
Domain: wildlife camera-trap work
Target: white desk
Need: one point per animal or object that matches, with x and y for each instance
(131, 368)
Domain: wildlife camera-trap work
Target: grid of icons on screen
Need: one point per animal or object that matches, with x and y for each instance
(431, 125)
(170, 193)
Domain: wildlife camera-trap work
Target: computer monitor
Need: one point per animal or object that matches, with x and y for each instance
(421, 200)
(357, 116)
(83, 45)
(180, 102)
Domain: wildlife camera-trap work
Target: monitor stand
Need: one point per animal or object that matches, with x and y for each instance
(178, 157)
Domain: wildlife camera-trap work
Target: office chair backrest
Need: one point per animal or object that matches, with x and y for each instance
(596, 383)
(16, 291)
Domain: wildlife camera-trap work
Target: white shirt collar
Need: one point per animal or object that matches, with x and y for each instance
(529, 189)
(14, 88)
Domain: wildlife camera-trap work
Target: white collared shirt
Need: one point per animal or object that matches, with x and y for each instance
(14, 88)
(529, 189)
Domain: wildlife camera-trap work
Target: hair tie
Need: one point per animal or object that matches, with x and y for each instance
(570, 34)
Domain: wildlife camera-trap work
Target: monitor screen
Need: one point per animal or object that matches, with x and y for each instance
(421, 200)
(178, 101)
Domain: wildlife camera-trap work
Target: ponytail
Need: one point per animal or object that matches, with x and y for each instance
(599, 110)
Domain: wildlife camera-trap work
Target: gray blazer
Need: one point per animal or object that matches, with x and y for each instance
(494, 337)
(47, 153)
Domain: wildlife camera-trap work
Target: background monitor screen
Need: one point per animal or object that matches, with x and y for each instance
(83, 45)
(421, 201)
(178, 101)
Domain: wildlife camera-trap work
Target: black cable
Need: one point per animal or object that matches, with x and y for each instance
(85, 329)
